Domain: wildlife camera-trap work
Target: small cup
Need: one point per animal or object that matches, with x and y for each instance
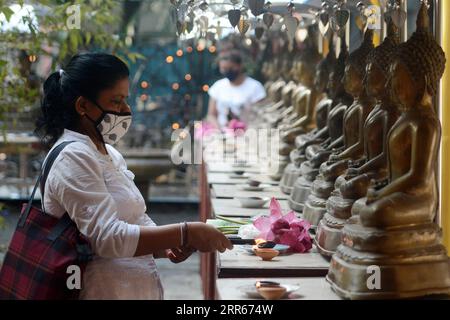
(265, 253)
(253, 182)
(272, 292)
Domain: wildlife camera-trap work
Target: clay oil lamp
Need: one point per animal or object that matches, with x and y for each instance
(270, 291)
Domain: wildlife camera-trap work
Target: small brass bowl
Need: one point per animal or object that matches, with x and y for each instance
(265, 253)
(253, 182)
(272, 293)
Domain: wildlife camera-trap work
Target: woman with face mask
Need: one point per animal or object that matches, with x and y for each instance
(85, 103)
(234, 93)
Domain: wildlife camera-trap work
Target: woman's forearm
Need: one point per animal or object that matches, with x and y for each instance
(154, 240)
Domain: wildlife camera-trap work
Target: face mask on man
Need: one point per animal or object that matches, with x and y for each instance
(231, 74)
(112, 126)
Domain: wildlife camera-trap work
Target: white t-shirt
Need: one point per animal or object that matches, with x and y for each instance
(235, 98)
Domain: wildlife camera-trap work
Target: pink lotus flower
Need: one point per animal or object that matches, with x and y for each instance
(204, 130)
(284, 229)
(236, 127)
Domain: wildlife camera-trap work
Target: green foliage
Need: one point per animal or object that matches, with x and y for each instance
(49, 32)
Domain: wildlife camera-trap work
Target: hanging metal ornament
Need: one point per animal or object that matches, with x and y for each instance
(256, 7)
(268, 19)
(243, 26)
(203, 6)
(182, 12)
(341, 16)
(398, 17)
(203, 23)
(189, 26)
(268, 6)
(259, 31)
(324, 17)
(364, 13)
(291, 7)
(181, 27)
(333, 25)
(234, 16)
(291, 24)
(324, 23)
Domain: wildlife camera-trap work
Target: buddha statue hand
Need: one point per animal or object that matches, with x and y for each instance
(356, 187)
(331, 170)
(290, 135)
(334, 157)
(351, 172)
(319, 158)
(374, 187)
(356, 163)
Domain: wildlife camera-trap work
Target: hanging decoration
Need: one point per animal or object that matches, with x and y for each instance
(395, 12)
(324, 19)
(203, 6)
(268, 19)
(339, 18)
(290, 22)
(234, 16)
(256, 7)
(243, 26)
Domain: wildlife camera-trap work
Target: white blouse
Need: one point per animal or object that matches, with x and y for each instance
(99, 194)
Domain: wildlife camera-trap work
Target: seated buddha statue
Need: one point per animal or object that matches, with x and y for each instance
(301, 117)
(325, 140)
(396, 230)
(352, 137)
(323, 70)
(353, 184)
(292, 170)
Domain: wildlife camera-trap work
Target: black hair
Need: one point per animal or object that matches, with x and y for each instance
(86, 75)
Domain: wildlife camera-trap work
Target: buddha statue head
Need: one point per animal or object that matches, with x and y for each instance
(379, 61)
(324, 69)
(335, 84)
(418, 65)
(355, 69)
(309, 58)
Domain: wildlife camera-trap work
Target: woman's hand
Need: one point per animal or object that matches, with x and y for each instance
(207, 238)
(177, 255)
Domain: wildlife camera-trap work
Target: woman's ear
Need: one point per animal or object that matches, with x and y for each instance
(81, 106)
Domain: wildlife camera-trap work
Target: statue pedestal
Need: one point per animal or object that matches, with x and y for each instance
(292, 172)
(338, 210)
(376, 263)
(302, 186)
(315, 205)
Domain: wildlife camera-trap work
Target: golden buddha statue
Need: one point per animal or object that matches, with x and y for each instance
(301, 117)
(325, 140)
(352, 137)
(396, 231)
(373, 165)
(323, 69)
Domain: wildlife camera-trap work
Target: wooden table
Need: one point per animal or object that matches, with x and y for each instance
(226, 167)
(238, 263)
(232, 208)
(224, 178)
(315, 288)
(231, 191)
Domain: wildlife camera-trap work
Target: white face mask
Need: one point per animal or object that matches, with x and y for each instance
(112, 126)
